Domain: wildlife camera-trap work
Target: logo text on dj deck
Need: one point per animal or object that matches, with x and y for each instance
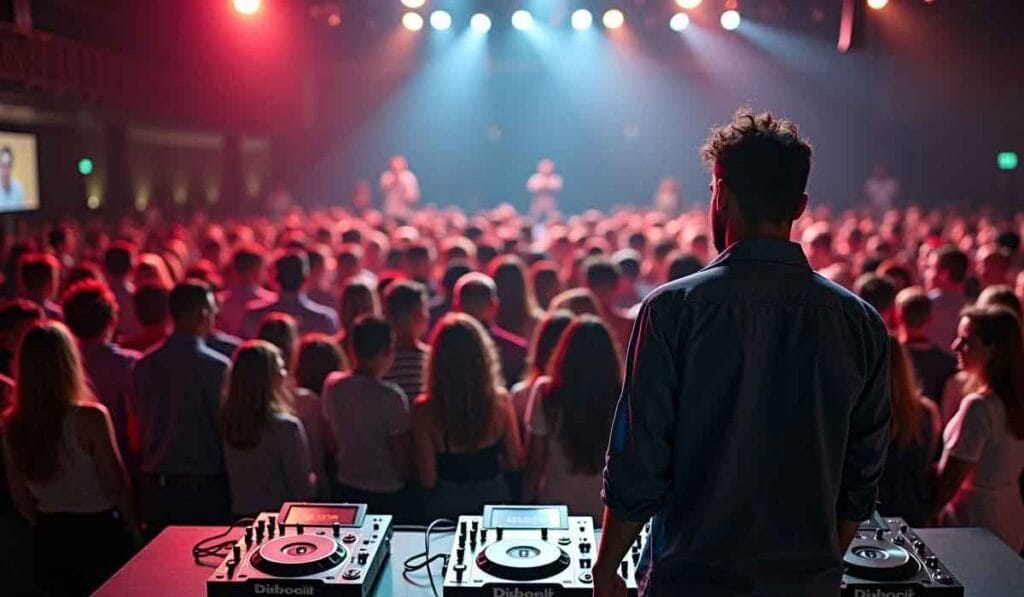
(517, 592)
(908, 592)
(276, 589)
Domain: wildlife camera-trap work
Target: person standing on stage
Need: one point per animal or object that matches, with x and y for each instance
(400, 189)
(754, 418)
(668, 198)
(544, 185)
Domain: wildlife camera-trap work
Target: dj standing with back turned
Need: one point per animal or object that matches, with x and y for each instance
(753, 422)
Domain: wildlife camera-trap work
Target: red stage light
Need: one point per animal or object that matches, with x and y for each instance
(247, 7)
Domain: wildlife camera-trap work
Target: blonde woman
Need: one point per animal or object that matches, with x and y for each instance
(63, 466)
(265, 446)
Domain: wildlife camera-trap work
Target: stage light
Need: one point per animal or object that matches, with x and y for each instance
(878, 4)
(414, 3)
(93, 202)
(247, 7)
(480, 22)
(730, 20)
(1007, 160)
(688, 4)
(613, 19)
(440, 20)
(85, 166)
(582, 19)
(679, 22)
(522, 19)
(412, 21)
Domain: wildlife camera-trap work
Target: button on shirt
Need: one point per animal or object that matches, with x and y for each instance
(176, 402)
(754, 413)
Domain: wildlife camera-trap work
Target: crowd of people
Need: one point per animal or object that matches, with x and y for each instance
(192, 372)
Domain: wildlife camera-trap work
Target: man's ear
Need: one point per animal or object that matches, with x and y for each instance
(801, 207)
(719, 196)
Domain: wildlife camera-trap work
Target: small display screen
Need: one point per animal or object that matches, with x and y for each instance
(528, 517)
(320, 514)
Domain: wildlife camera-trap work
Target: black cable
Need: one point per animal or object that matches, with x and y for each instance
(200, 550)
(424, 559)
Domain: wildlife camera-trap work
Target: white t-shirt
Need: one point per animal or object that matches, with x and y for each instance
(991, 496)
(400, 192)
(559, 485)
(364, 414)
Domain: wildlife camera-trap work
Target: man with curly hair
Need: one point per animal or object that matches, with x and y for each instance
(754, 417)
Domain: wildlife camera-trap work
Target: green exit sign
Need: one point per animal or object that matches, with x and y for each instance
(1007, 160)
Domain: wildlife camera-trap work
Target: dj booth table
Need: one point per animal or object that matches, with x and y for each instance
(164, 568)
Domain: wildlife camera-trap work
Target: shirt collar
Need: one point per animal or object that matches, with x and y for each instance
(763, 249)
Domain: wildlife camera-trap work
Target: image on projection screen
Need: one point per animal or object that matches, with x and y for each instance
(19, 176)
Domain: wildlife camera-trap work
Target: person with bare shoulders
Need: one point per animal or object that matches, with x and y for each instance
(64, 467)
(464, 425)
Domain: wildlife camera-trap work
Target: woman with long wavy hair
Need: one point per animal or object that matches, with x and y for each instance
(63, 467)
(517, 308)
(358, 297)
(570, 416)
(905, 487)
(265, 446)
(464, 425)
(542, 347)
(981, 465)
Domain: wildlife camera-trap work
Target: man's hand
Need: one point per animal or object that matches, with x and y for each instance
(607, 582)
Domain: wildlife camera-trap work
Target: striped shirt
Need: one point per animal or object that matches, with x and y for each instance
(407, 370)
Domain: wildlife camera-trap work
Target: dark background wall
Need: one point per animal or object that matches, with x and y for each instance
(932, 91)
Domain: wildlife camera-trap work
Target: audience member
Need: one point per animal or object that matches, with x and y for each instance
(1000, 295)
(39, 275)
(405, 307)
(152, 315)
(569, 417)
(90, 312)
(542, 346)
(945, 276)
(880, 293)
(357, 298)
(265, 449)
(628, 262)
(248, 269)
(118, 263)
(681, 265)
(368, 419)
(933, 366)
(321, 269)
(318, 357)
(981, 466)
(545, 282)
(17, 316)
(905, 487)
(517, 308)
(291, 272)
(601, 277)
(441, 304)
(64, 469)
(176, 404)
(464, 424)
(477, 296)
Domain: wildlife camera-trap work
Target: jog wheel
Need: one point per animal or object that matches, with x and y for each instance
(293, 556)
(879, 561)
(523, 559)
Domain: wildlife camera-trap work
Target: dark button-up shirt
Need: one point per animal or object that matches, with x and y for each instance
(109, 369)
(177, 390)
(755, 412)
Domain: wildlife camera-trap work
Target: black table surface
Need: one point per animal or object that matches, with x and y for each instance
(164, 568)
